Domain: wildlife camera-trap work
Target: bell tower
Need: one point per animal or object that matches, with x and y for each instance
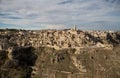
(74, 27)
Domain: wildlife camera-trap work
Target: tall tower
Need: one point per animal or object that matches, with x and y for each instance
(74, 27)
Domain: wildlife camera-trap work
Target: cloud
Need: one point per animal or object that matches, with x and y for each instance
(65, 12)
(66, 2)
(113, 1)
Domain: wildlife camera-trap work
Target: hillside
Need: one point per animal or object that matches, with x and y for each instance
(68, 53)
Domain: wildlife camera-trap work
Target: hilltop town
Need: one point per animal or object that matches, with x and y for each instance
(59, 39)
(68, 53)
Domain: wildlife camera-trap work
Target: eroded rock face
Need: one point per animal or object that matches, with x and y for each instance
(87, 63)
(59, 54)
(51, 61)
(48, 62)
(17, 62)
(22, 55)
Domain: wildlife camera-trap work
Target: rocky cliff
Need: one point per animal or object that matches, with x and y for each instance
(59, 54)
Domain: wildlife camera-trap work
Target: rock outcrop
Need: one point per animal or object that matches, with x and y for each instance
(17, 62)
(59, 54)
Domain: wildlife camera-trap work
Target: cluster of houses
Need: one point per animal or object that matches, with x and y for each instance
(67, 38)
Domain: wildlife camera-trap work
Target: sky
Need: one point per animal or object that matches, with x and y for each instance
(60, 14)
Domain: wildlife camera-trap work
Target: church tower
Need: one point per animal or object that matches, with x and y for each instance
(74, 27)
